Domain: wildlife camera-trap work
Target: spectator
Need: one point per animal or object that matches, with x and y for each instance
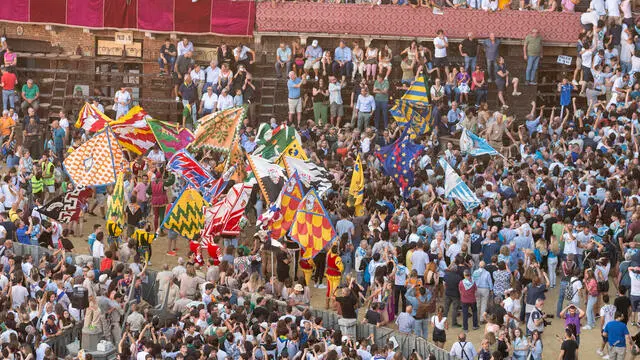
(358, 61)
(469, 49)
(342, 64)
(225, 100)
(295, 101)
(189, 94)
(320, 93)
(468, 300)
(184, 46)
(336, 107)
(313, 55)
(8, 83)
(364, 108)
(225, 55)
(183, 66)
(121, 101)
(283, 59)
(491, 49)
(462, 349)
(381, 95)
(10, 59)
(244, 56)
(168, 55)
(198, 77)
(441, 43)
(618, 337)
(533, 53)
(212, 73)
(30, 95)
(208, 102)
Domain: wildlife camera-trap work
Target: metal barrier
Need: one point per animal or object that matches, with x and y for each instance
(407, 343)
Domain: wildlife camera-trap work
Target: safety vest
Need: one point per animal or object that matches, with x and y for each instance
(47, 174)
(37, 185)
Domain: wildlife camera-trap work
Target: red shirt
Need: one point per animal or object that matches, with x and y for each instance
(9, 81)
(106, 264)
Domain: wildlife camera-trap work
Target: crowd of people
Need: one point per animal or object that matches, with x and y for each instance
(559, 212)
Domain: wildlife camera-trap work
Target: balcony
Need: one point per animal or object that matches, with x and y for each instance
(399, 22)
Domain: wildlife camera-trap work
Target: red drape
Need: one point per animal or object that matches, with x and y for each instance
(89, 13)
(155, 15)
(121, 14)
(14, 10)
(48, 11)
(185, 19)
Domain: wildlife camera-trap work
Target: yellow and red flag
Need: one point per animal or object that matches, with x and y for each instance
(133, 131)
(91, 119)
(311, 227)
(284, 209)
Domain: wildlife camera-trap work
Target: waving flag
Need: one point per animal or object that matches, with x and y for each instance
(270, 143)
(97, 161)
(91, 119)
(356, 188)
(133, 132)
(279, 216)
(170, 137)
(236, 160)
(311, 175)
(66, 207)
(475, 145)
(311, 227)
(225, 216)
(397, 160)
(217, 131)
(116, 203)
(186, 215)
(455, 188)
(413, 109)
(294, 150)
(184, 164)
(214, 188)
(270, 177)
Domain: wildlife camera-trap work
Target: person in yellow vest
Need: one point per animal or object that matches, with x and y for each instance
(37, 186)
(307, 266)
(144, 237)
(114, 230)
(48, 177)
(333, 272)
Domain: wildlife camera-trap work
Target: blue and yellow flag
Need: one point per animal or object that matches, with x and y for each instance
(116, 203)
(356, 189)
(413, 109)
(294, 150)
(186, 216)
(397, 161)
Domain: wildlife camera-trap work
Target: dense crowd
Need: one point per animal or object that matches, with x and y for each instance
(558, 211)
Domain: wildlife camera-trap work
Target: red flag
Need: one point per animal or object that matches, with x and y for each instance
(91, 119)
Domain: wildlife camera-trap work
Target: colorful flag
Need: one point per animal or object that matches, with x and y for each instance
(225, 216)
(97, 161)
(270, 143)
(270, 177)
(294, 150)
(133, 132)
(356, 188)
(217, 131)
(455, 188)
(474, 145)
(311, 175)
(184, 164)
(311, 227)
(214, 188)
(170, 137)
(236, 159)
(397, 160)
(66, 207)
(116, 204)
(91, 119)
(413, 109)
(279, 216)
(186, 214)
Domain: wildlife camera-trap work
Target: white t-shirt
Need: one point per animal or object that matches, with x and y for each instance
(19, 295)
(613, 7)
(576, 286)
(608, 312)
(512, 306)
(635, 283)
(225, 102)
(64, 124)
(122, 96)
(156, 156)
(98, 249)
(442, 52)
(587, 58)
(570, 245)
(209, 101)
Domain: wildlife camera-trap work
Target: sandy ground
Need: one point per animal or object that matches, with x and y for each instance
(590, 339)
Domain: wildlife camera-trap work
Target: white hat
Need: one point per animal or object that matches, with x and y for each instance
(314, 43)
(264, 325)
(103, 278)
(298, 287)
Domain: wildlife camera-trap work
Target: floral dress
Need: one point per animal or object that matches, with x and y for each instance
(501, 281)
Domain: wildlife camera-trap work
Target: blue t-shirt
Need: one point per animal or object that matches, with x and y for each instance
(616, 331)
(101, 189)
(565, 94)
(21, 234)
(294, 92)
(58, 138)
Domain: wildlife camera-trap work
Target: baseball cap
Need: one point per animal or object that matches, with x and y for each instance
(314, 43)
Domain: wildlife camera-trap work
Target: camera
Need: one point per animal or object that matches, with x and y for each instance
(545, 317)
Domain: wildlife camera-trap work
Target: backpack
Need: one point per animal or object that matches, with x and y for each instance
(568, 291)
